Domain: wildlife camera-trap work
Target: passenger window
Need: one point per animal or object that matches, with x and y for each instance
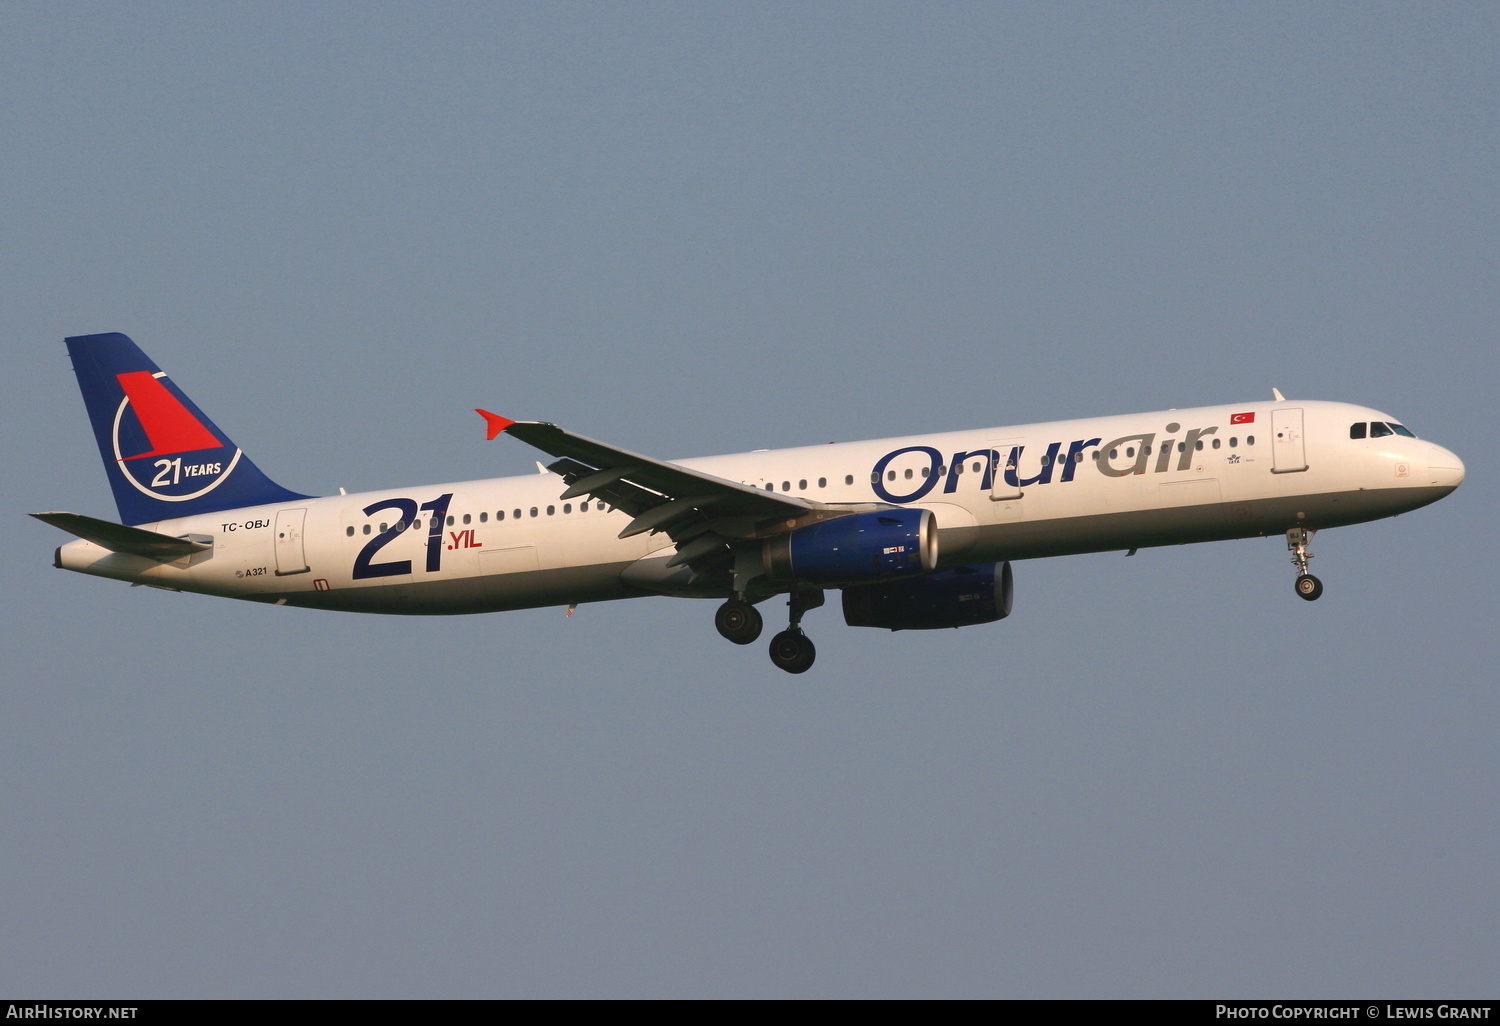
(484, 518)
(1357, 430)
(801, 486)
(1216, 443)
(551, 510)
(1234, 441)
(567, 507)
(366, 529)
(848, 479)
(533, 511)
(350, 531)
(466, 518)
(1198, 445)
(1249, 439)
(583, 507)
(1379, 430)
(822, 482)
(499, 514)
(450, 521)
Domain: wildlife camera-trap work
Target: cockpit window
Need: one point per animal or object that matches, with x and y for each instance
(1377, 429)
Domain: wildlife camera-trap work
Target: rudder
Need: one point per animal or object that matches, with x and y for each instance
(164, 458)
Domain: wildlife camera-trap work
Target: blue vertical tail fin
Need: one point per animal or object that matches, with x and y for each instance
(164, 458)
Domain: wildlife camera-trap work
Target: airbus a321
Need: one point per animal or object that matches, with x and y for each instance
(917, 533)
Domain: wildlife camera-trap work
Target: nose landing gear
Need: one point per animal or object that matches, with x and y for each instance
(1306, 585)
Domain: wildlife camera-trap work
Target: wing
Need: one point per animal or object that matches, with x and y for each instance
(699, 512)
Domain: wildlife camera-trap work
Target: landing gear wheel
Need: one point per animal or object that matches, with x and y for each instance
(1308, 586)
(738, 621)
(793, 651)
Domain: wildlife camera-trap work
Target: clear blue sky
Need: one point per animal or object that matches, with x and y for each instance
(700, 228)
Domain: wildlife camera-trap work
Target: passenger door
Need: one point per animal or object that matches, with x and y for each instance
(291, 557)
(1288, 454)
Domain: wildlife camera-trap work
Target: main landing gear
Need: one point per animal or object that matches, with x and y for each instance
(1308, 586)
(791, 650)
(738, 621)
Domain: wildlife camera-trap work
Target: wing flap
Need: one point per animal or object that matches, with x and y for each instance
(664, 513)
(698, 548)
(598, 479)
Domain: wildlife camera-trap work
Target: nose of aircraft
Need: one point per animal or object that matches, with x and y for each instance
(1447, 469)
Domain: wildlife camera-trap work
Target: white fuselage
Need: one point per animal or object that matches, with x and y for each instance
(1076, 486)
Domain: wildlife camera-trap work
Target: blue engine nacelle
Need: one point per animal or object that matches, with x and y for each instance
(953, 598)
(854, 548)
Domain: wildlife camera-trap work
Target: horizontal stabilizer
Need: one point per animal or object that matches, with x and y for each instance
(119, 538)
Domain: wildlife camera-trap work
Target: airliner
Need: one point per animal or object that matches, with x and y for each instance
(917, 533)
